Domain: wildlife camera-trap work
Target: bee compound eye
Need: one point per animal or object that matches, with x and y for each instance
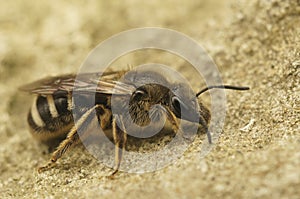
(138, 94)
(176, 103)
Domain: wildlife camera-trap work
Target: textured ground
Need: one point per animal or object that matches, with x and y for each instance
(254, 44)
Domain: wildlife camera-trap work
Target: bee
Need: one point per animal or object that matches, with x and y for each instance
(51, 116)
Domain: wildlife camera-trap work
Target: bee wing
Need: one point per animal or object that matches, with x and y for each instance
(83, 83)
(49, 85)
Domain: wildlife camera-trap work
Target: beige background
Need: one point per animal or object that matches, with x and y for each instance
(254, 44)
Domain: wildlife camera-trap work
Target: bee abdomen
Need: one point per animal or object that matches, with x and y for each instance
(51, 116)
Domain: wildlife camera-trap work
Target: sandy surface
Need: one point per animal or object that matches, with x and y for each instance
(254, 44)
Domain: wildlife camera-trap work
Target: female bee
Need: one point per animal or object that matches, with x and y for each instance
(51, 116)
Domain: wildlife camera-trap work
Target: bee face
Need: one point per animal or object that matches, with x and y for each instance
(152, 101)
(153, 89)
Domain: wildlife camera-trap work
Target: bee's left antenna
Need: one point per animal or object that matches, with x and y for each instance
(241, 88)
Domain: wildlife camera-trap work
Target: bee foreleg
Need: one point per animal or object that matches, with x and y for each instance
(175, 125)
(204, 125)
(71, 140)
(120, 138)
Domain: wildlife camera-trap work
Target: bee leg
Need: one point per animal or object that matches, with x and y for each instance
(120, 138)
(175, 126)
(204, 124)
(71, 140)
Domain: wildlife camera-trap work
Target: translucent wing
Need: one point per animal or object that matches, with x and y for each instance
(84, 83)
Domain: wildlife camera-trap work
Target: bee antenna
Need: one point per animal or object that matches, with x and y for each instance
(241, 88)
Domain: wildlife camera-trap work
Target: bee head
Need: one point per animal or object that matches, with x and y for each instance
(179, 99)
(155, 90)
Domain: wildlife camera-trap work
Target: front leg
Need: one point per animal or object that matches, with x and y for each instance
(176, 128)
(120, 138)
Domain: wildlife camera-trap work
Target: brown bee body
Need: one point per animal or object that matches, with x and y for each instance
(150, 95)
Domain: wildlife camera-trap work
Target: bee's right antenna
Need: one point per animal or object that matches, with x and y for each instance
(241, 88)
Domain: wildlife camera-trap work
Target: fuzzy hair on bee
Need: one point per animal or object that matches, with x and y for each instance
(151, 96)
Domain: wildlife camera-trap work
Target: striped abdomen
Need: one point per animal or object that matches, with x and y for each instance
(51, 116)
